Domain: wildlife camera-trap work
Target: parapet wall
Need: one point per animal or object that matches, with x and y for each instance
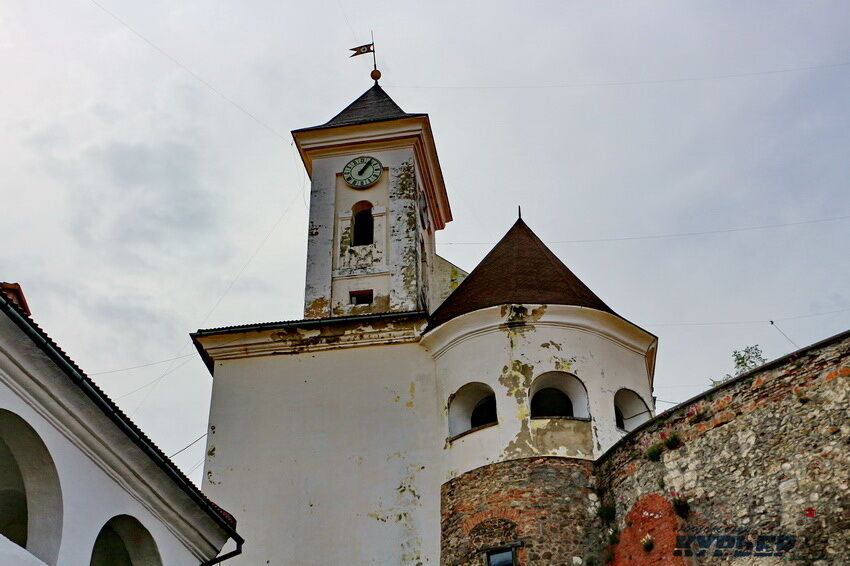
(759, 466)
(754, 472)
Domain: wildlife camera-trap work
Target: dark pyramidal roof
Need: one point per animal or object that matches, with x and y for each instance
(519, 269)
(374, 105)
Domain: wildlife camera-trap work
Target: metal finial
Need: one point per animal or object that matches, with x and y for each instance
(519, 211)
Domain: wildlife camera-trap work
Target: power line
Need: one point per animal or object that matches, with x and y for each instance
(192, 73)
(637, 82)
(140, 366)
(148, 384)
(715, 323)
(762, 321)
(671, 235)
(188, 445)
(215, 306)
(773, 324)
(195, 467)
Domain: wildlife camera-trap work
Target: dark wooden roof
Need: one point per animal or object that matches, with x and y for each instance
(374, 105)
(519, 269)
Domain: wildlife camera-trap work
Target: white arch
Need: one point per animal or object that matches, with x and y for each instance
(463, 402)
(32, 483)
(632, 408)
(567, 383)
(124, 541)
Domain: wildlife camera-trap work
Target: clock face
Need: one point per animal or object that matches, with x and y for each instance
(362, 172)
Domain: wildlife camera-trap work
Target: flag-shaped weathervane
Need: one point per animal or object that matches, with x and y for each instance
(368, 48)
(363, 49)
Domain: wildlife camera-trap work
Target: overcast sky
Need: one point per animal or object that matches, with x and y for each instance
(150, 186)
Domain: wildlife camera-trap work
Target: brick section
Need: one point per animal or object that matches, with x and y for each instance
(763, 465)
(546, 504)
(758, 467)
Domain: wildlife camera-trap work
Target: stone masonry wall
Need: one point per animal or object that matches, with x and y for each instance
(758, 468)
(753, 472)
(546, 505)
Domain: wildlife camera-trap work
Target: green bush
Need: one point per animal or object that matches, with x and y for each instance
(653, 453)
(673, 441)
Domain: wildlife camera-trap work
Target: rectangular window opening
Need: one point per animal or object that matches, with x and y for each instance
(360, 297)
(501, 557)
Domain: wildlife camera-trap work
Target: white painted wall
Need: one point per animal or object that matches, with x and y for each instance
(93, 489)
(13, 555)
(90, 495)
(329, 457)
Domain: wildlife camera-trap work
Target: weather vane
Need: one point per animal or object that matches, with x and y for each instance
(369, 48)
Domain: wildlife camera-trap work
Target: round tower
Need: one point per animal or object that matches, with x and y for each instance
(538, 377)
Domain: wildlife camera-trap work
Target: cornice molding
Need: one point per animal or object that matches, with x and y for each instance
(494, 319)
(315, 338)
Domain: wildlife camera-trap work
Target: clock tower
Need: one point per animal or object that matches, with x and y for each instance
(377, 196)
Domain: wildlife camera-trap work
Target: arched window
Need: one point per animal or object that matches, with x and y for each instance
(551, 402)
(124, 541)
(557, 394)
(484, 412)
(13, 498)
(363, 224)
(473, 406)
(629, 410)
(30, 496)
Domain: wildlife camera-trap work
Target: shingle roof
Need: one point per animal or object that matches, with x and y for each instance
(374, 105)
(519, 269)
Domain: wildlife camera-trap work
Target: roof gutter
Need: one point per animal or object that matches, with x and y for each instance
(110, 410)
(237, 552)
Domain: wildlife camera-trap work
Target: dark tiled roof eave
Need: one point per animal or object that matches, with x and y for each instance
(374, 105)
(47, 345)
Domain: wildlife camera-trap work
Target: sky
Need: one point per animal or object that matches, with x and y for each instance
(150, 186)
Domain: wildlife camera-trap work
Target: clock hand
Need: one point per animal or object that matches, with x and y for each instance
(363, 169)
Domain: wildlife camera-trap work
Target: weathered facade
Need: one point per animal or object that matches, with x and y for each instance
(79, 482)
(422, 415)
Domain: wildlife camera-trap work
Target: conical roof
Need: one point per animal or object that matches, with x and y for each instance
(374, 105)
(519, 269)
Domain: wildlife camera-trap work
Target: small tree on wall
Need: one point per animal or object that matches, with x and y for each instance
(749, 358)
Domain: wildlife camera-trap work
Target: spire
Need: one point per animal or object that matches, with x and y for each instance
(374, 105)
(519, 269)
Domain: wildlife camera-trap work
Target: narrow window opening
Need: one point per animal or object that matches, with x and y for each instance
(363, 224)
(13, 499)
(501, 557)
(360, 297)
(484, 412)
(618, 418)
(551, 402)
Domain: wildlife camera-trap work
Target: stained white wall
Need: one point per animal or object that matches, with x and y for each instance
(603, 351)
(329, 457)
(397, 232)
(336, 456)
